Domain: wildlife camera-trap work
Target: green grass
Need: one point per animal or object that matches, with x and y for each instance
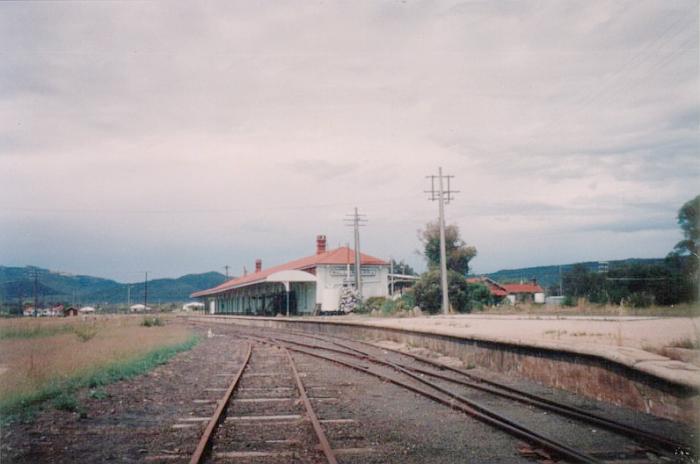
(60, 391)
(35, 331)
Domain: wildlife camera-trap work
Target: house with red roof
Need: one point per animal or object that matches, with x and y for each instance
(524, 292)
(302, 286)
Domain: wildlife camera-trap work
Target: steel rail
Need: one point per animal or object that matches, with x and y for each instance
(205, 440)
(469, 407)
(658, 441)
(322, 439)
(647, 438)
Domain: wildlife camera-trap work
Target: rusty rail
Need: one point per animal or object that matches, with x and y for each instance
(205, 440)
(464, 405)
(496, 388)
(323, 441)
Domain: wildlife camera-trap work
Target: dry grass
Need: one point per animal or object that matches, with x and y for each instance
(31, 363)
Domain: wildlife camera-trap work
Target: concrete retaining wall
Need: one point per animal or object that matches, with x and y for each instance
(586, 375)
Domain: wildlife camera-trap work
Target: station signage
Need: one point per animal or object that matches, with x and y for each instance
(342, 271)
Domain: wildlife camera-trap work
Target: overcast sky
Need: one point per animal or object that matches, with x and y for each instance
(181, 137)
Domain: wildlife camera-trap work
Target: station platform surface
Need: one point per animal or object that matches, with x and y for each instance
(647, 344)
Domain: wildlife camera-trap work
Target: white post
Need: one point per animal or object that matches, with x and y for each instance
(286, 288)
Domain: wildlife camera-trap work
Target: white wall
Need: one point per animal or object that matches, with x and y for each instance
(330, 280)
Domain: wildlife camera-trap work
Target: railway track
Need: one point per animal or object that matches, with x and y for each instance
(267, 415)
(430, 379)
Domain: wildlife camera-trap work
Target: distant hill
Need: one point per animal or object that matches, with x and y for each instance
(547, 276)
(52, 286)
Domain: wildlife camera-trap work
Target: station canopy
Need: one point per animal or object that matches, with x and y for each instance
(290, 275)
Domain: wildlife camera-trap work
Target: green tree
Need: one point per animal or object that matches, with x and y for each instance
(429, 294)
(400, 267)
(458, 252)
(479, 296)
(684, 257)
(688, 221)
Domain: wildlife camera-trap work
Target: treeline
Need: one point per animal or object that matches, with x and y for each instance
(635, 284)
(673, 281)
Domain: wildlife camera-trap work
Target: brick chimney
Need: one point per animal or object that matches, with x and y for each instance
(320, 244)
(258, 265)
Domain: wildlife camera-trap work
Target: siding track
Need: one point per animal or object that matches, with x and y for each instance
(446, 385)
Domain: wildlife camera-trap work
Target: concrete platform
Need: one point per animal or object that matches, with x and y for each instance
(632, 341)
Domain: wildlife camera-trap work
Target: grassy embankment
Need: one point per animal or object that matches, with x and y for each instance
(50, 359)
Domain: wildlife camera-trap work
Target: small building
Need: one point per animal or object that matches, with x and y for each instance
(515, 293)
(525, 293)
(86, 310)
(302, 286)
(139, 308)
(70, 311)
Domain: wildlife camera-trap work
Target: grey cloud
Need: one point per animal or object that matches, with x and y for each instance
(544, 111)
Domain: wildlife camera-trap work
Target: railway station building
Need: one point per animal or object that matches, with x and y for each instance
(306, 285)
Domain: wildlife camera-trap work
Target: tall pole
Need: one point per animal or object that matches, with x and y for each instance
(226, 267)
(443, 195)
(128, 295)
(443, 252)
(36, 296)
(358, 262)
(391, 276)
(357, 220)
(145, 292)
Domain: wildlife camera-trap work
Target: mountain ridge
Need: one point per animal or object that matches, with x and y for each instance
(17, 283)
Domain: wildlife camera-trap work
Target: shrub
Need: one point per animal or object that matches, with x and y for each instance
(429, 294)
(569, 301)
(388, 307)
(479, 296)
(65, 402)
(149, 321)
(641, 300)
(85, 332)
(373, 303)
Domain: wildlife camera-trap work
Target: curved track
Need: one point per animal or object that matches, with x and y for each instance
(414, 373)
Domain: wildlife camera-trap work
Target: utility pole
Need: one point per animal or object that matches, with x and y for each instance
(391, 276)
(561, 284)
(145, 292)
(34, 274)
(443, 197)
(36, 296)
(357, 220)
(226, 267)
(128, 295)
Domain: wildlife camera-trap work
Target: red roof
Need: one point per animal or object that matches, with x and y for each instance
(523, 288)
(342, 255)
